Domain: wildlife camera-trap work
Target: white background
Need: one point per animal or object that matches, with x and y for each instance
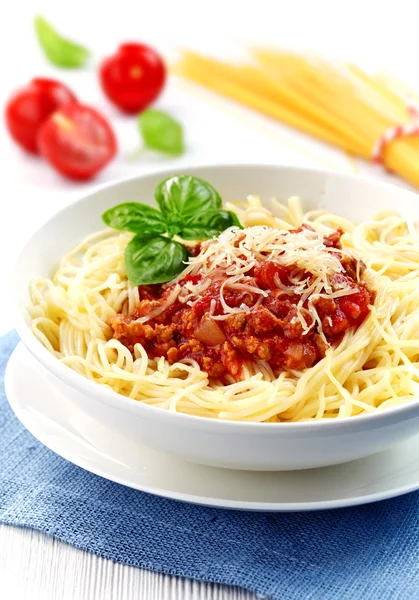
(376, 34)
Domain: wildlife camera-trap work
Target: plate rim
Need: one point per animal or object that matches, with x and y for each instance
(221, 503)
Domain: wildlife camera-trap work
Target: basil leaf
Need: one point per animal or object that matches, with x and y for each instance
(135, 217)
(59, 51)
(208, 225)
(234, 219)
(175, 225)
(186, 196)
(161, 132)
(154, 260)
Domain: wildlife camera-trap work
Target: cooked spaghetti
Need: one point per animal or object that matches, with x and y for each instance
(295, 317)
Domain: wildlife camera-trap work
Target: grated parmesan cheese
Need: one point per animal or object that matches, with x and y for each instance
(236, 251)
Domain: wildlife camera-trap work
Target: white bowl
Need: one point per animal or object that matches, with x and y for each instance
(252, 446)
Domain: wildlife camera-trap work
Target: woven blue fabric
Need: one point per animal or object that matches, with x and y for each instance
(369, 552)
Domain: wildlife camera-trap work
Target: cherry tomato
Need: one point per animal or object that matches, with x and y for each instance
(31, 106)
(133, 77)
(77, 141)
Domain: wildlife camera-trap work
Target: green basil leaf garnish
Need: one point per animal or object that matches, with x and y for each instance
(154, 260)
(175, 225)
(135, 217)
(186, 196)
(207, 225)
(189, 207)
(59, 51)
(161, 132)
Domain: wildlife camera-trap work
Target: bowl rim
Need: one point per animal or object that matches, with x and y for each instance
(120, 402)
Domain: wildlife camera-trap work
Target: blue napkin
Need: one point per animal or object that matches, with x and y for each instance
(369, 552)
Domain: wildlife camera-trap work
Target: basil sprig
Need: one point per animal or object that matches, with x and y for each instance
(190, 208)
(161, 132)
(59, 51)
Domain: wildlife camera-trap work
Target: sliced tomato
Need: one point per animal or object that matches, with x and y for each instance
(77, 141)
(31, 106)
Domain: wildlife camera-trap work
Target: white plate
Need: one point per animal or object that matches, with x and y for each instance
(218, 442)
(62, 427)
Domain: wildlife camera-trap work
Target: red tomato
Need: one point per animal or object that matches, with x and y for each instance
(77, 141)
(30, 107)
(133, 77)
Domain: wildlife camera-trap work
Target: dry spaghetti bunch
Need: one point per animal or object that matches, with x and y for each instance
(367, 116)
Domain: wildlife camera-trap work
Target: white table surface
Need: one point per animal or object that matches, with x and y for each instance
(32, 565)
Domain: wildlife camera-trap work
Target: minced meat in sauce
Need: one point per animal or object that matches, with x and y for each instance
(270, 331)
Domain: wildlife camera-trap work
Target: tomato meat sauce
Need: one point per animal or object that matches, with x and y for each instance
(274, 327)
